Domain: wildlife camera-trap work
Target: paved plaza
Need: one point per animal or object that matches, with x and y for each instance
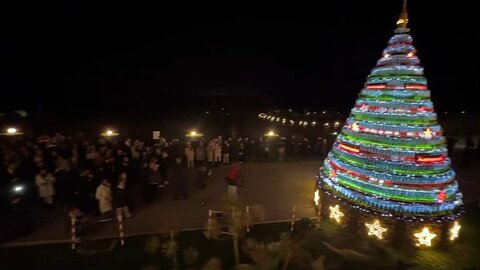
(276, 187)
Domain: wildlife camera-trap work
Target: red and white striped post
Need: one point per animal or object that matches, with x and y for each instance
(292, 223)
(247, 211)
(120, 229)
(73, 231)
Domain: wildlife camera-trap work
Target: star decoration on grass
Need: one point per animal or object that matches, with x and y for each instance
(425, 237)
(316, 197)
(375, 229)
(335, 213)
(454, 230)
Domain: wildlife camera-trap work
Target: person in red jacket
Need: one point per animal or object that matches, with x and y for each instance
(233, 181)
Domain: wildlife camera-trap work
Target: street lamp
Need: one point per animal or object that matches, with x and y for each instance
(11, 131)
(271, 133)
(193, 134)
(110, 133)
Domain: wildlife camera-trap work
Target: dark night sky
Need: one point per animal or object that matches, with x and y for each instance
(133, 57)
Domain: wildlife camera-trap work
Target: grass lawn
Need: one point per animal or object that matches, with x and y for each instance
(263, 247)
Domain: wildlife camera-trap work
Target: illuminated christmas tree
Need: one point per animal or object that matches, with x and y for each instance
(390, 159)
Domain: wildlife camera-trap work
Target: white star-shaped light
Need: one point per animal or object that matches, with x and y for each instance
(355, 127)
(425, 237)
(454, 230)
(375, 229)
(335, 213)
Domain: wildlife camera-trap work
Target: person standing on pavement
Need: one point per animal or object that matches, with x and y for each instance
(217, 150)
(226, 152)
(201, 183)
(121, 197)
(179, 180)
(164, 167)
(190, 155)
(153, 180)
(44, 182)
(104, 196)
(211, 153)
(233, 181)
(200, 153)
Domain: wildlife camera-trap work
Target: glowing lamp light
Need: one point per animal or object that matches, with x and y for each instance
(335, 213)
(11, 130)
(375, 229)
(271, 133)
(18, 188)
(410, 54)
(316, 197)
(194, 134)
(425, 237)
(387, 55)
(454, 230)
(109, 133)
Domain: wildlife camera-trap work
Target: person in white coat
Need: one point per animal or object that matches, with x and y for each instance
(104, 197)
(44, 182)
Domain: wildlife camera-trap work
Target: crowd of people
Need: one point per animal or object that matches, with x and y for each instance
(102, 178)
(98, 176)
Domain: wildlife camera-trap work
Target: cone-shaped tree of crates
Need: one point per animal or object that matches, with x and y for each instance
(391, 158)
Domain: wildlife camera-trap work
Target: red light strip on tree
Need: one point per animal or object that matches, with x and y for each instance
(386, 182)
(349, 148)
(412, 86)
(376, 86)
(429, 159)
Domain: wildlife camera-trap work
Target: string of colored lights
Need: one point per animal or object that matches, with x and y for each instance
(301, 123)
